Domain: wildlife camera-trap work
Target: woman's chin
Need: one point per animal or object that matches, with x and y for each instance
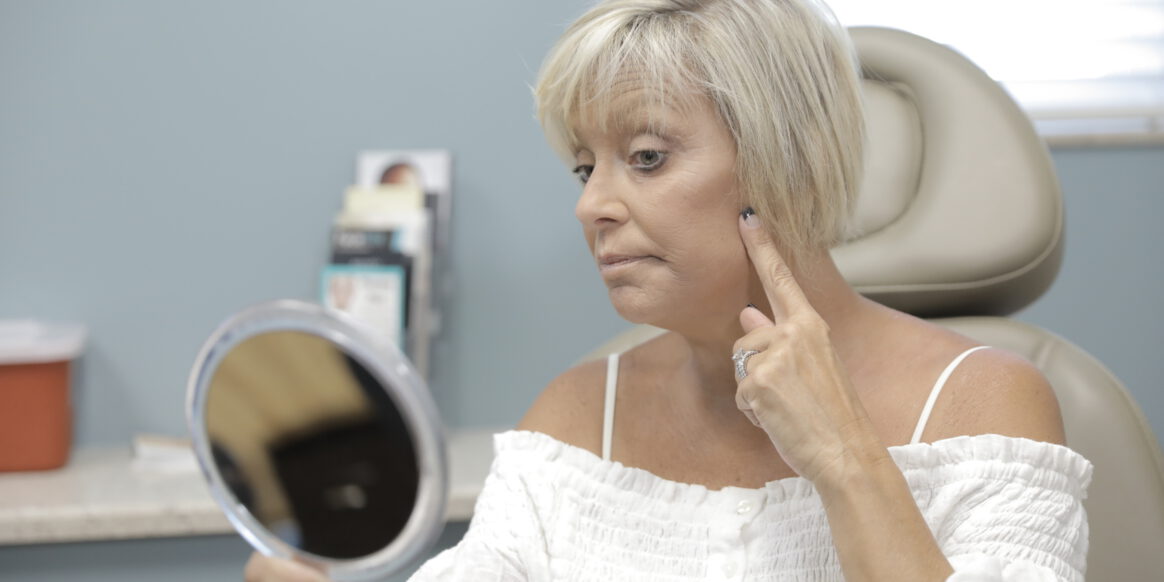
(637, 306)
(633, 305)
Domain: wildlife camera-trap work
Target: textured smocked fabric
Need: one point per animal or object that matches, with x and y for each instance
(1001, 508)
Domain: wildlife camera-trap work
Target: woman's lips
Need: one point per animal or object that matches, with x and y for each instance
(613, 262)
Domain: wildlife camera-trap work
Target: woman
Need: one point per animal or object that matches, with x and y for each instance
(719, 148)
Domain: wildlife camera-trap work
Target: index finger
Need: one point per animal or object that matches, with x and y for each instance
(783, 292)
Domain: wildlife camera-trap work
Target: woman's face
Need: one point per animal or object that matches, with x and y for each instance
(659, 208)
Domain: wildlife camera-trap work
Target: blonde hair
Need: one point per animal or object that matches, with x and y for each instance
(781, 74)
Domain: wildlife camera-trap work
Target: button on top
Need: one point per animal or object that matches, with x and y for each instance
(744, 507)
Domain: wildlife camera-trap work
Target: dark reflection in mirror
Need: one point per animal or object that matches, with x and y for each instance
(311, 445)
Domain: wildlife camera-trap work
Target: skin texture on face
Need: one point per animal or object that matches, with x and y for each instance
(659, 210)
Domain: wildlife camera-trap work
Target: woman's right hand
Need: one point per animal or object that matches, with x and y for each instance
(262, 568)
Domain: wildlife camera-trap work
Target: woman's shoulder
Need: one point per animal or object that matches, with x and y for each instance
(990, 391)
(569, 409)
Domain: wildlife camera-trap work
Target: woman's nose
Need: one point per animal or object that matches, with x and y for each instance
(600, 202)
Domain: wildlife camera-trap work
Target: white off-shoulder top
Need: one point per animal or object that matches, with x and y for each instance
(1002, 509)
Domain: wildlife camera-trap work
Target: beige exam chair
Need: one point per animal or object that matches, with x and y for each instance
(961, 220)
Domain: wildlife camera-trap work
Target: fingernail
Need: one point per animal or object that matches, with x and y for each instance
(749, 217)
(752, 306)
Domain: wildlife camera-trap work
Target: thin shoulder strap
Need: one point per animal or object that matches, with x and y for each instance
(608, 410)
(937, 389)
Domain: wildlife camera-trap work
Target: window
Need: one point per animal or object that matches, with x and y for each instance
(1086, 71)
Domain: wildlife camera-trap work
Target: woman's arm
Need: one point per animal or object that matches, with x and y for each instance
(797, 390)
(262, 568)
(879, 532)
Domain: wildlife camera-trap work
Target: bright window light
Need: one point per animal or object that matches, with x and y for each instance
(1081, 68)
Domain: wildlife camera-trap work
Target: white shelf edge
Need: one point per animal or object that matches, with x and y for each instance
(100, 496)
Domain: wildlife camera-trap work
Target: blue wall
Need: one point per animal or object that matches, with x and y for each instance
(163, 164)
(1107, 298)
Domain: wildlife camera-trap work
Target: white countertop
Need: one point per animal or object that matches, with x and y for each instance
(102, 495)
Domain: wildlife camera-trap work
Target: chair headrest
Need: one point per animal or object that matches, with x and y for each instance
(960, 211)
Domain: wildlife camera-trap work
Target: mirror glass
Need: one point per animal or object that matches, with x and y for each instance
(319, 440)
(311, 445)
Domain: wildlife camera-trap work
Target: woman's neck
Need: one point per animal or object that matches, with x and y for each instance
(709, 362)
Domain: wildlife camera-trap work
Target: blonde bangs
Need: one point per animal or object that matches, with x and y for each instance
(614, 54)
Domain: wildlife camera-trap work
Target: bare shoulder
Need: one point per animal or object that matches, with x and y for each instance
(570, 407)
(994, 391)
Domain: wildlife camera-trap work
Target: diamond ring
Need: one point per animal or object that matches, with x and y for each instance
(741, 360)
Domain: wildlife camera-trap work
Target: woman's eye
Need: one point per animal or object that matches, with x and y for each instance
(583, 173)
(647, 159)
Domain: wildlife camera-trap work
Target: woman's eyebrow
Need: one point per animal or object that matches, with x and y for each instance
(668, 132)
(628, 120)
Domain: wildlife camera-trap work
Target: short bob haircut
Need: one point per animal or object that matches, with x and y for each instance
(782, 75)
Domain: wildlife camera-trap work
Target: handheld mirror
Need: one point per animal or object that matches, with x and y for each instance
(319, 440)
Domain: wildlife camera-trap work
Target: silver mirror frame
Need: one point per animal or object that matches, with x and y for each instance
(392, 370)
